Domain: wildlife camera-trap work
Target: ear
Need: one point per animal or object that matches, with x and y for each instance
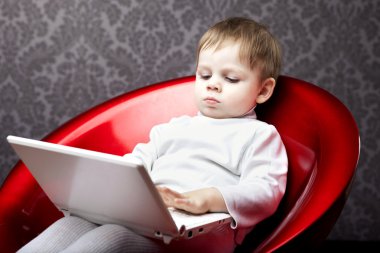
(267, 87)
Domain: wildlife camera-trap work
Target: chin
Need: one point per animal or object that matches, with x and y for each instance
(215, 116)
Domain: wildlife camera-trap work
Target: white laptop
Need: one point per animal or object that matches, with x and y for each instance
(105, 188)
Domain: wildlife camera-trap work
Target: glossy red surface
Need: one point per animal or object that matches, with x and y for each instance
(320, 135)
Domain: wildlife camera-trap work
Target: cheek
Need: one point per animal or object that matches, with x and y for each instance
(197, 89)
(197, 92)
(244, 99)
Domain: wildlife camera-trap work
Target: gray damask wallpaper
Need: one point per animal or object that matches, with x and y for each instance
(60, 57)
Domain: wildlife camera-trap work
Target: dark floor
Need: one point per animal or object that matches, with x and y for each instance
(349, 246)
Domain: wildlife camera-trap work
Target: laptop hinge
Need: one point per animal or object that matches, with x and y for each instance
(65, 212)
(167, 238)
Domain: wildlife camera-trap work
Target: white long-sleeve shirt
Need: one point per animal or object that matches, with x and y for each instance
(243, 158)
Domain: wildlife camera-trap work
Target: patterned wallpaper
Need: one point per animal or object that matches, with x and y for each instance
(60, 57)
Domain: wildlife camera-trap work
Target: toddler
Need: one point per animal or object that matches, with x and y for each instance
(221, 160)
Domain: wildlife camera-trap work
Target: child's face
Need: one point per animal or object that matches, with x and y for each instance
(225, 87)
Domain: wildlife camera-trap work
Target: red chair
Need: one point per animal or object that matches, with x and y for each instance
(320, 135)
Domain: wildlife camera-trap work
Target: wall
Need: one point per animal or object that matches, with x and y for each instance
(60, 57)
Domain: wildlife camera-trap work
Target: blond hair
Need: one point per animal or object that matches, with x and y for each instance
(258, 47)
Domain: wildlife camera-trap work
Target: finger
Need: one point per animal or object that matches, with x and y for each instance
(171, 193)
(182, 201)
(169, 196)
(184, 204)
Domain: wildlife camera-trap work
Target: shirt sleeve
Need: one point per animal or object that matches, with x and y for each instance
(262, 182)
(147, 152)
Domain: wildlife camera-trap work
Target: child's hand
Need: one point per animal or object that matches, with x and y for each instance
(197, 202)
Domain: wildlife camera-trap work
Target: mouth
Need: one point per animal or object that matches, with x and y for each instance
(211, 100)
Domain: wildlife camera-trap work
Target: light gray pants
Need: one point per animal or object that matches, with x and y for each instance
(73, 234)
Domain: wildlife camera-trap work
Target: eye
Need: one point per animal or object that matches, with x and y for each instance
(232, 79)
(204, 76)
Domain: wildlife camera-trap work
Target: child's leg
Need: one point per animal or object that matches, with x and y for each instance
(73, 234)
(113, 238)
(59, 235)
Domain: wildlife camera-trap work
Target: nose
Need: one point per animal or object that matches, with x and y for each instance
(214, 85)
